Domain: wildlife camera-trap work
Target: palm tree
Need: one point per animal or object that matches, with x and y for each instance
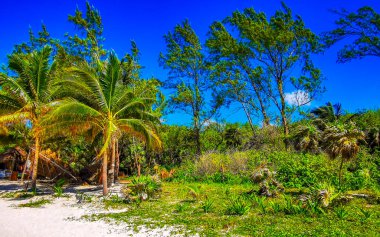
(102, 104)
(307, 138)
(342, 140)
(27, 96)
(328, 113)
(373, 138)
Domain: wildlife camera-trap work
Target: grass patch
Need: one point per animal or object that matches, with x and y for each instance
(17, 195)
(264, 218)
(35, 204)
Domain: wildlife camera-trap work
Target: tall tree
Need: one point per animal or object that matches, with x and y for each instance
(188, 76)
(281, 47)
(88, 43)
(362, 27)
(28, 96)
(106, 106)
(235, 72)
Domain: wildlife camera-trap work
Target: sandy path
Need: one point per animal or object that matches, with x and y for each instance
(60, 219)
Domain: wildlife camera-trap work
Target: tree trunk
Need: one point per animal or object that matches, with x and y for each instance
(117, 165)
(104, 173)
(35, 163)
(248, 116)
(197, 142)
(24, 169)
(286, 131)
(113, 160)
(340, 173)
(138, 168)
(283, 113)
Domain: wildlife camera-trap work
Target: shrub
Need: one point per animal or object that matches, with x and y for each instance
(237, 206)
(143, 188)
(206, 205)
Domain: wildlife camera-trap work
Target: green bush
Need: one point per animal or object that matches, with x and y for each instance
(237, 206)
(143, 188)
(293, 170)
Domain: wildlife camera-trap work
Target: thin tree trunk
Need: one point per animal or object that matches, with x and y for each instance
(35, 164)
(113, 158)
(104, 173)
(248, 116)
(138, 168)
(24, 169)
(197, 141)
(117, 166)
(283, 113)
(340, 173)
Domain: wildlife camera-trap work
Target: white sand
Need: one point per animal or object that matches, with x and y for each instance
(62, 218)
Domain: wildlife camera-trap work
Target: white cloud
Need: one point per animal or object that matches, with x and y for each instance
(297, 98)
(208, 122)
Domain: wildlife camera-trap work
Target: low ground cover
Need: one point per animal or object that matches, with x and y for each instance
(223, 209)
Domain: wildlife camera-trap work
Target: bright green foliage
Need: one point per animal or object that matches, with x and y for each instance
(292, 217)
(35, 204)
(58, 187)
(29, 95)
(234, 73)
(42, 39)
(276, 46)
(104, 106)
(90, 47)
(143, 188)
(362, 27)
(185, 60)
(237, 206)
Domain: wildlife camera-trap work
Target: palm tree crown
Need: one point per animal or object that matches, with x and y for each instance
(28, 96)
(101, 102)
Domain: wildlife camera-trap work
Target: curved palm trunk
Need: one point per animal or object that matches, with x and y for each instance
(35, 163)
(113, 160)
(104, 173)
(117, 165)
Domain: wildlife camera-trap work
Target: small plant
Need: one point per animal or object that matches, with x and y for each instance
(275, 207)
(58, 187)
(341, 213)
(181, 207)
(365, 215)
(143, 188)
(325, 194)
(260, 201)
(314, 208)
(35, 204)
(82, 197)
(34, 191)
(114, 201)
(237, 206)
(195, 191)
(206, 205)
(292, 208)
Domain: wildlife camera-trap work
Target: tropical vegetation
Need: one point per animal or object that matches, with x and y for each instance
(76, 103)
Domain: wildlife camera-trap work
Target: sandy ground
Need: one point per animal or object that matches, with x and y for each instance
(61, 218)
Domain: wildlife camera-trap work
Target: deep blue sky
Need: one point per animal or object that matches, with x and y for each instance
(355, 84)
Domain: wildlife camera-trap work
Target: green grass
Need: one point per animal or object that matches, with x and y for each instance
(17, 195)
(35, 204)
(177, 208)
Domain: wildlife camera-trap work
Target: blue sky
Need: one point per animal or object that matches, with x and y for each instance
(355, 84)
